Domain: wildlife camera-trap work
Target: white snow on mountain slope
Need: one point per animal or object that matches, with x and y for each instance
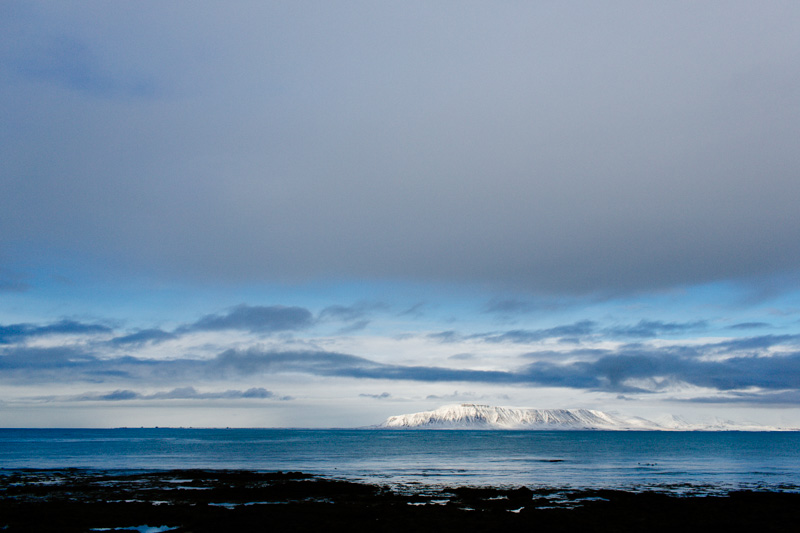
(473, 416)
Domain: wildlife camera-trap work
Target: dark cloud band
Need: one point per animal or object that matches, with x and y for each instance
(632, 368)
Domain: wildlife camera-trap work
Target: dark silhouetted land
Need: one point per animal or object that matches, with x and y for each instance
(205, 501)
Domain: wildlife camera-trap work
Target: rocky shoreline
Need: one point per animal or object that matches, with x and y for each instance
(219, 500)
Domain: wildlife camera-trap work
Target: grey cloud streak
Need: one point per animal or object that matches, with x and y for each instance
(16, 332)
(662, 369)
(38, 365)
(351, 313)
(256, 319)
(180, 393)
(749, 325)
(251, 318)
(653, 328)
(580, 331)
(636, 368)
(571, 149)
(143, 337)
(789, 398)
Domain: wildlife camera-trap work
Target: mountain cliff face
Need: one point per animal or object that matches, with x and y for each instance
(471, 416)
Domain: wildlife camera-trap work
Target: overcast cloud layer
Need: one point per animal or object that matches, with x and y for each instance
(582, 147)
(385, 203)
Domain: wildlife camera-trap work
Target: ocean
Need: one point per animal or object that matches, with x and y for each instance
(675, 462)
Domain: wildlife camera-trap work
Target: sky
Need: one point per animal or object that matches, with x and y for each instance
(324, 213)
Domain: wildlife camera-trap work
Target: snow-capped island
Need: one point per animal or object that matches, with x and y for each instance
(474, 416)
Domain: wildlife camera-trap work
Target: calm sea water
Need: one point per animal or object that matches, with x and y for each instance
(670, 461)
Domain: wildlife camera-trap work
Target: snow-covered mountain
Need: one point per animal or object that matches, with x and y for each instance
(472, 416)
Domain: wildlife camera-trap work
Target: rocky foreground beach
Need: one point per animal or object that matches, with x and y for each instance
(199, 501)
